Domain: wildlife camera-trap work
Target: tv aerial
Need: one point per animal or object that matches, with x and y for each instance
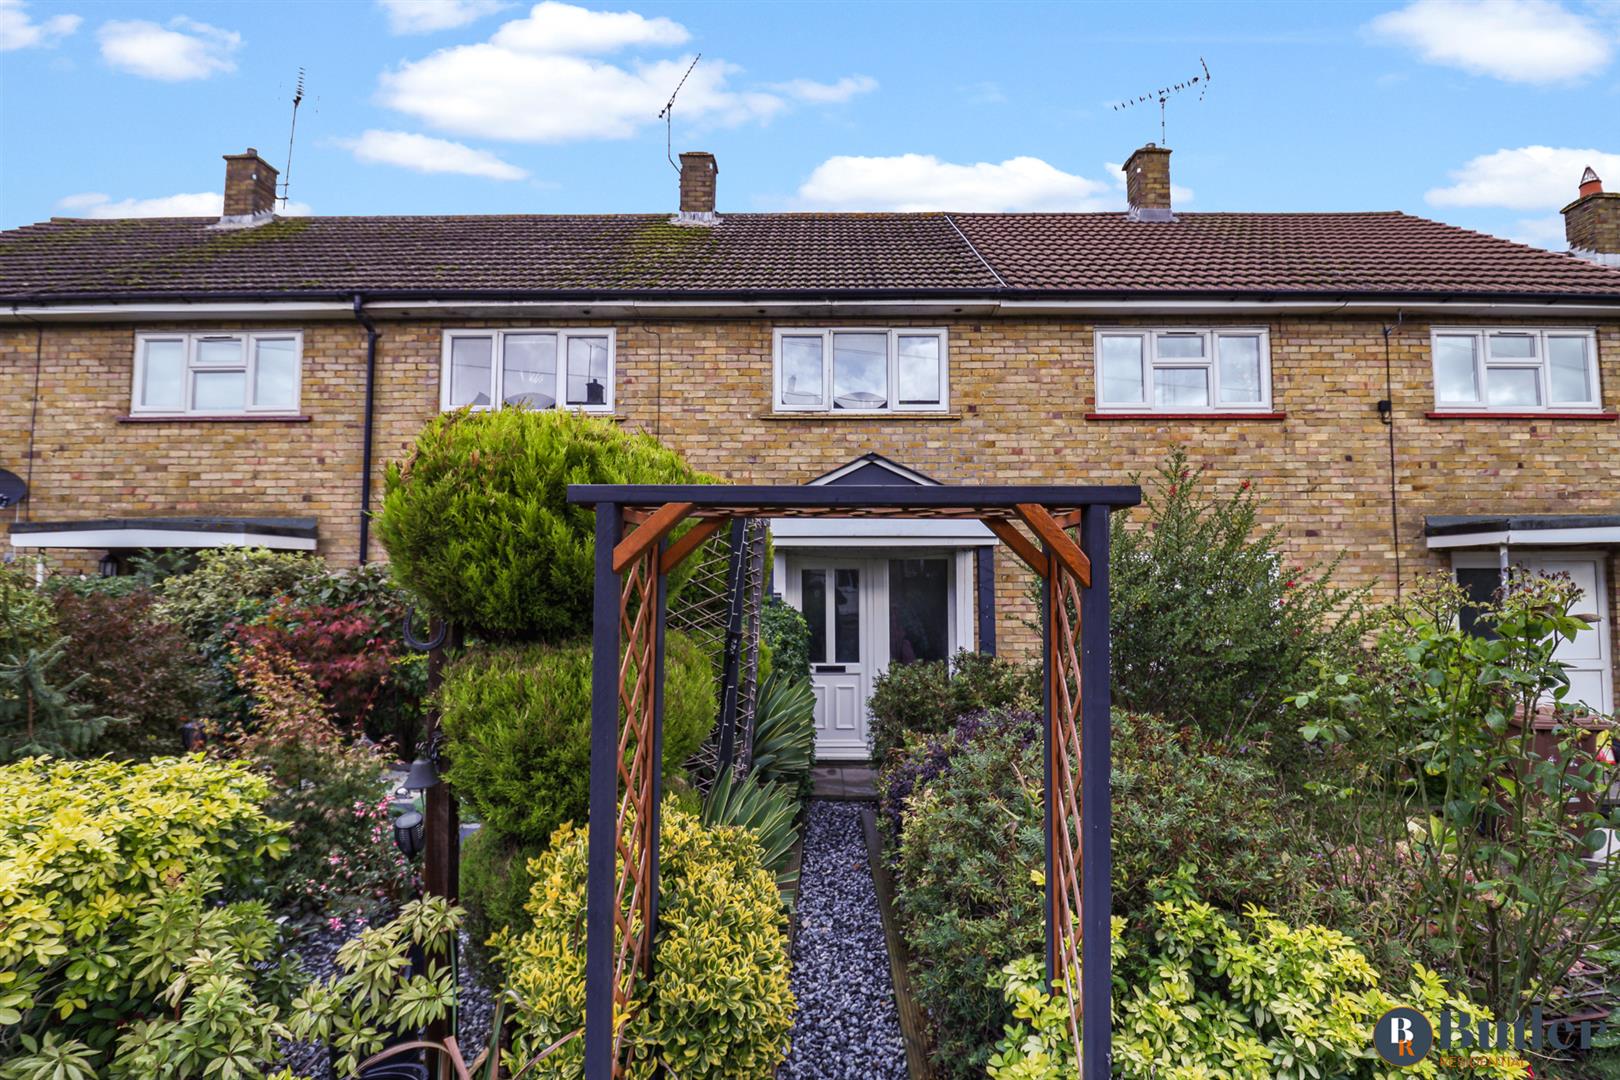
(667, 114)
(1162, 95)
(286, 174)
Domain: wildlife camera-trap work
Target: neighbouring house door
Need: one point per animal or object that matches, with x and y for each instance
(864, 614)
(1586, 658)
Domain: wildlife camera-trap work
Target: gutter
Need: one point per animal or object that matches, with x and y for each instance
(366, 436)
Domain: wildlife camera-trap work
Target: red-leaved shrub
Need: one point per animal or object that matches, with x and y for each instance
(348, 654)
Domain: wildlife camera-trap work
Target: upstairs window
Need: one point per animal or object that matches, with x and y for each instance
(1183, 370)
(537, 368)
(224, 374)
(1515, 370)
(861, 370)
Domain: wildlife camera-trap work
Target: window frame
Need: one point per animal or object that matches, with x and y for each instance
(893, 334)
(1542, 363)
(1149, 336)
(497, 376)
(249, 365)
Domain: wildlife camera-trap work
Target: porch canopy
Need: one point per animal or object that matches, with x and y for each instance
(1059, 531)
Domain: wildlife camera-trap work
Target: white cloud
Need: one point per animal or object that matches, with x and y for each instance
(185, 49)
(911, 182)
(541, 78)
(426, 16)
(984, 93)
(1526, 178)
(1529, 41)
(1546, 232)
(18, 30)
(95, 204)
(554, 28)
(817, 93)
(429, 155)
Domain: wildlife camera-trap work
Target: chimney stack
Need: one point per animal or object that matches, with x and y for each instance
(1147, 185)
(698, 172)
(1592, 222)
(250, 190)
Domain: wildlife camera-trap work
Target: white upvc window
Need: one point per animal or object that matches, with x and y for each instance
(229, 373)
(861, 369)
(1184, 369)
(541, 369)
(1515, 369)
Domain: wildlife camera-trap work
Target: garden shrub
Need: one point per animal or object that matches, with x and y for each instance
(971, 841)
(331, 792)
(477, 522)
(27, 620)
(927, 698)
(1433, 782)
(230, 585)
(133, 665)
(518, 721)
(1211, 625)
(1196, 997)
(784, 737)
(109, 878)
(783, 629)
(38, 713)
(347, 654)
(495, 883)
(718, 1004)
(768, 810)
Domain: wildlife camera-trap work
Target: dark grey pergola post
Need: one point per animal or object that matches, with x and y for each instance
(636, 565)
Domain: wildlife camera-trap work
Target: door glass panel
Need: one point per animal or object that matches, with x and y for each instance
(1240, 368)
(275, 373)
(919, 610)
(470, 370)
(860, 371)
(588, 373)
(1480, 583)
(1181, 386)
(1567, 370)
(1122, 369)
(847, 617)
(813, 602)
(802, 380)
(918, 364)
(163, 378)
(529, 370)
(1454, 370)
(1513, 386)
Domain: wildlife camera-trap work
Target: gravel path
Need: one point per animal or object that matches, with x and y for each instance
(319, 953)
(847, 1027)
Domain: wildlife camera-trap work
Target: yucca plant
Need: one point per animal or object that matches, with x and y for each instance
(766, 809)
(784, 730)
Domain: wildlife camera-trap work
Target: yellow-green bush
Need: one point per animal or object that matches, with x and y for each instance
(1207, 998)
(478, 524)
(86, 849)
(718, 1005)
(518, 719)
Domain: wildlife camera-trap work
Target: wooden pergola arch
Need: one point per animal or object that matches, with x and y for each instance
(1066, 545)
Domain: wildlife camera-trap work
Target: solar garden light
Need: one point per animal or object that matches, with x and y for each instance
(408, 828)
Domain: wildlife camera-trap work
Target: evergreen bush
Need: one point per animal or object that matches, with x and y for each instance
(495, 882)
(929, 697)
(477, 521)
(518, 720)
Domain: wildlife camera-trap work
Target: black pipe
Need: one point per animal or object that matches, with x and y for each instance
(1386, 412)
(365, 439)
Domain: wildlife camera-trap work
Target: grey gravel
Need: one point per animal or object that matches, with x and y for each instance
(318, 952)
(847, 1026)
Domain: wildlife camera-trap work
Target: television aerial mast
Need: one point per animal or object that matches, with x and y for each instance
(1164, 93)
(667, 114)
(286, 174)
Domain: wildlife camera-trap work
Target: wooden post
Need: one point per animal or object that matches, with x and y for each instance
(441, 840)
(602, 828)
(1096, 809)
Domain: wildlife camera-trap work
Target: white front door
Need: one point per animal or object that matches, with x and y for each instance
(865, 613)
(1586, 658)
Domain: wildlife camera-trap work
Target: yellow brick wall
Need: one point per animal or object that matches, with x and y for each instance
(1020, 391)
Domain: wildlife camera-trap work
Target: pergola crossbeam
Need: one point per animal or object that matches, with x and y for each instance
(689, 542)
(1055, 537)
(1020, 545)
(659, 524)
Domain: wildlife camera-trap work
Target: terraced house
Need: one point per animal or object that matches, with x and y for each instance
(1412, 394)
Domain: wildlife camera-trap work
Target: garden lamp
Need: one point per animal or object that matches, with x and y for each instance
(422, 775)
(191, 736)
(408, 833)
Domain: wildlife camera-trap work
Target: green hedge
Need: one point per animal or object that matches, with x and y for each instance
(518, 719)
(477, 521)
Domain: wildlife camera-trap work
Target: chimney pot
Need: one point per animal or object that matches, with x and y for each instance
(1147, 185)
(698, 172)
(1592, 222)
(250, 187)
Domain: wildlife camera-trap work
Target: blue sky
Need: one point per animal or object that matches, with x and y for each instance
(1477, 112)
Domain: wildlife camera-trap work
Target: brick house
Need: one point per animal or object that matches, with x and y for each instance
(1410, 394)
